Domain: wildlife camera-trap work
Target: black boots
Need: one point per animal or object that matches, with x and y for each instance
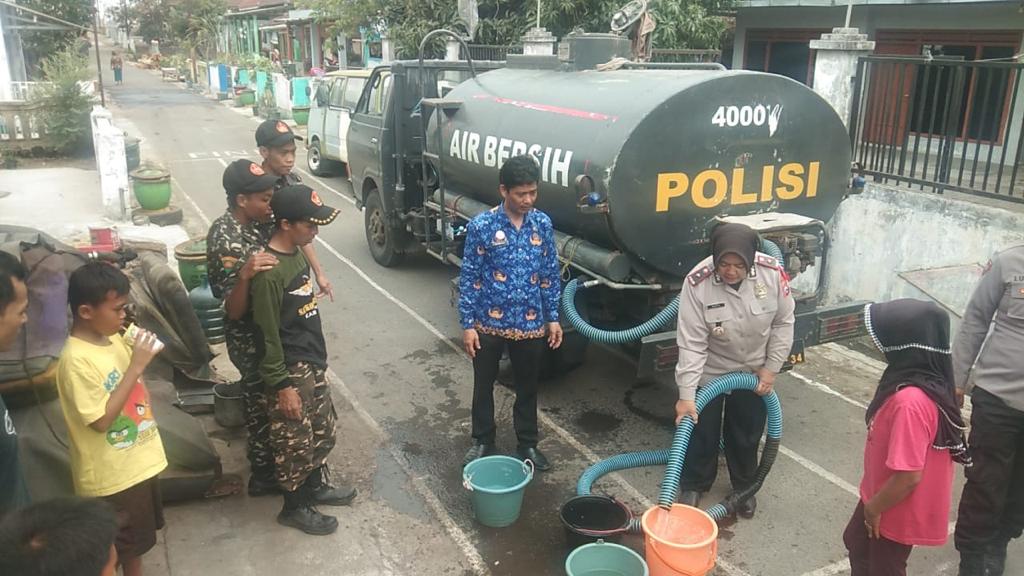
(299, 512)
(262, 486)
(747, 508)
(323, 493)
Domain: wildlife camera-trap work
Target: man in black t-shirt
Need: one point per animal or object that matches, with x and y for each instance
(13, 304)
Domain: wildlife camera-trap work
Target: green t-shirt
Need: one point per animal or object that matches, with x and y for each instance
(285, 309)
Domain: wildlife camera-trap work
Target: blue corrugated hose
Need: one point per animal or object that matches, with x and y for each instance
(674, 457)
(660, 320)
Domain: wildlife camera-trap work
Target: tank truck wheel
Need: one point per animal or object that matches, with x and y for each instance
(380, 237)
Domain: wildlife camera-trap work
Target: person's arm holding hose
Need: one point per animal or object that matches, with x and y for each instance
(780, 339)
(692, 339)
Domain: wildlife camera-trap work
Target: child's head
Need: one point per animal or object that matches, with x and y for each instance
(249, 189)
(60, 537)
(300, 213)
(98, 294)
(13, 299)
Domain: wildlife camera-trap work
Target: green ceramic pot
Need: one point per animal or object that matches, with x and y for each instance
(152, 187)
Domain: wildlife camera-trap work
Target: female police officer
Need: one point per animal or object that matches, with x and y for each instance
(735, 315)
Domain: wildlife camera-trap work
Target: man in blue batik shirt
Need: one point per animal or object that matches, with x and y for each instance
(509, 291)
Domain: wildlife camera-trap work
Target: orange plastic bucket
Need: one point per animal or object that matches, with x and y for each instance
(681, 541)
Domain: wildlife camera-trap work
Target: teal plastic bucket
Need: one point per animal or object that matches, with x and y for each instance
(605, 559)
(496, 485)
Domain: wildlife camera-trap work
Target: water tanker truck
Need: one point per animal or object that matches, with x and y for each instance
(638, 163)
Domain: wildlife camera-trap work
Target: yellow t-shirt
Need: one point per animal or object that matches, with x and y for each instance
(130, 451)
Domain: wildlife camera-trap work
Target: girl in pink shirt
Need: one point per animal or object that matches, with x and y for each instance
(915, 433)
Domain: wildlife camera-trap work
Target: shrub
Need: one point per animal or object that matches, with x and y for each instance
(65, 108)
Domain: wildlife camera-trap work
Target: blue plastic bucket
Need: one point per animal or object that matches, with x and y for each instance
(605, 559)
(496, 485)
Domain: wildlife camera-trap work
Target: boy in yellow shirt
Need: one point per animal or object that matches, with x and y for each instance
(116, 452)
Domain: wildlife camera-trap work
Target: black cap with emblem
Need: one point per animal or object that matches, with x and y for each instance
(300, 202)
(246, 177)
(275, 133)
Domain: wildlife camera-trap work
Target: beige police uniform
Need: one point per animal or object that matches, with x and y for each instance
(721, 330)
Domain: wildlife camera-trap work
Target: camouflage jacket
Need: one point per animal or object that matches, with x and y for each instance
(228, 245)
(289, 179)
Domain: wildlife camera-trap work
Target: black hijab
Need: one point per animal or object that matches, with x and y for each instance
(914, 336)
(732, 238)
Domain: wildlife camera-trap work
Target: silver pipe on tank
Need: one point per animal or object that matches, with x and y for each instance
(586, 256)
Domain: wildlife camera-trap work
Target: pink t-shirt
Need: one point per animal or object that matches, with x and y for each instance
(900, 440)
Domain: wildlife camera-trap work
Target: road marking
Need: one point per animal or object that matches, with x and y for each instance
(215, 155)
(223, 162)
(344, 196)
(855, 356)
(193, 155)
(462, 540)
(881, 366)
(181, 190)
(825, 474)
(843, 565)
(827, 390)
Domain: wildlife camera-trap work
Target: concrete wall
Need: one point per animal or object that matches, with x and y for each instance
(889, 239)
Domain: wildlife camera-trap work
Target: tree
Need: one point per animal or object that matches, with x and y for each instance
(681, 23)
(38, 44)
(196, 24)
(152, 18)
(65, 108)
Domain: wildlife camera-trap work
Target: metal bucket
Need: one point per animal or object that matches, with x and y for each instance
(228, 406)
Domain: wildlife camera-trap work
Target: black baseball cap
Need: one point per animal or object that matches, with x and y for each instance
(274, 133)
(246, 177)
(300, 202)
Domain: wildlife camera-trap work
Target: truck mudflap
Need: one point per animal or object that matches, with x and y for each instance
(658, 352)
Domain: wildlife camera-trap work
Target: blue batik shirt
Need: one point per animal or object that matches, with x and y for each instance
(509, 285)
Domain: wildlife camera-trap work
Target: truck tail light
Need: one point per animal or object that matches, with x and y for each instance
(841, 326)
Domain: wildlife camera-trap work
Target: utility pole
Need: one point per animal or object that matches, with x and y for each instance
(96, 46)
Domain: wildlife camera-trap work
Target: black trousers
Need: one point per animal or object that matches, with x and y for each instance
(992, 504)
(525, 356)
(745, 416)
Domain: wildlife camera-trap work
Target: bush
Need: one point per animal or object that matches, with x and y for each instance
(65, 107)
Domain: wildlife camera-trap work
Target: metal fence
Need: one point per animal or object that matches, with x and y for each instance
(491, 52)
(939, 124)
(685, 55)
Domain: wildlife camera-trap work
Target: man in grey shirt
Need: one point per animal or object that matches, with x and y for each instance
(992, 505)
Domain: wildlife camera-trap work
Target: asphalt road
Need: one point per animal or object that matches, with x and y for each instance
(403, 389)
